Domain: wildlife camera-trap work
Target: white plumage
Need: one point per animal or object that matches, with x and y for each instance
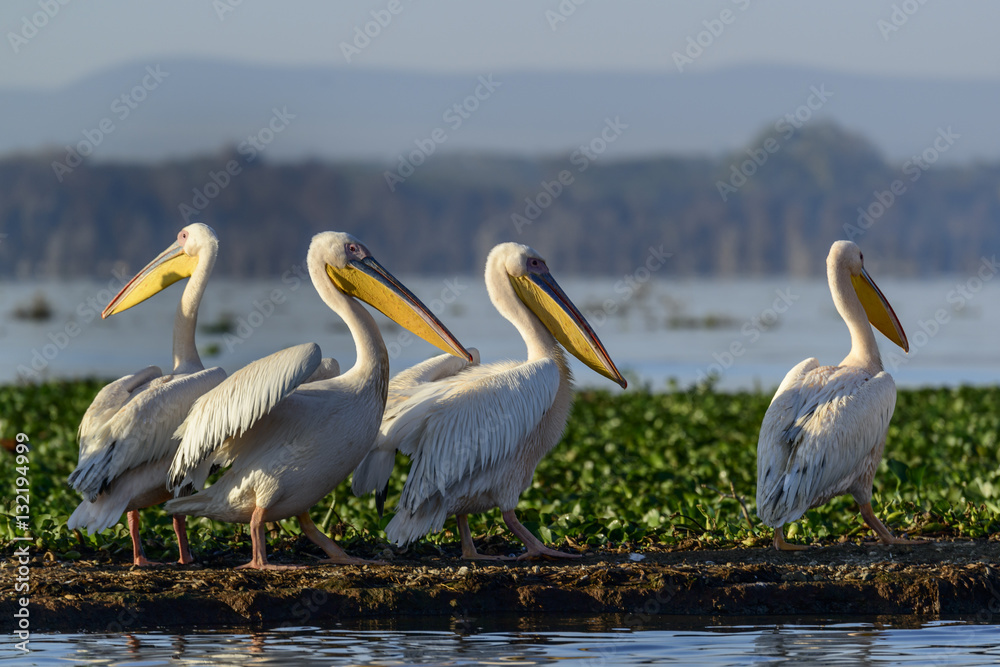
(825, 430)
(822, 437)
(126, 435)
(234, 407)
(468, 436)
(476, 433)
(288, 426)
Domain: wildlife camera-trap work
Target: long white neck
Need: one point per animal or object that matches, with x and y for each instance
(541, 343)
(370, 371)
(186, 359)
(864, 349)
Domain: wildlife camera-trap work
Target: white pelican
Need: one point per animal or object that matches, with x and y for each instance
(289, 440)
(126, 436)
(475, 433)
(825, 429)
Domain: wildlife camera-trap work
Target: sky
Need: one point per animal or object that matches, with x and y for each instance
(913, 38)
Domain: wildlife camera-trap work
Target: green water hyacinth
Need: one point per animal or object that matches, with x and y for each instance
(635, 470)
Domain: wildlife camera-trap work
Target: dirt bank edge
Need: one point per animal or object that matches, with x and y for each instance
(945, 579)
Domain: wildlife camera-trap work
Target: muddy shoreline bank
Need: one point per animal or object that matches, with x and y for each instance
(942, 579)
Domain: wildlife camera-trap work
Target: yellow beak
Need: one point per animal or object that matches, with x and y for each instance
(171, 265)
(368, 280)
(542, 294)
(879, 312)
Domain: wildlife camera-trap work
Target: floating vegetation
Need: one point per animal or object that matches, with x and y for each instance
(634, 469)
(709, 321)
(37, 310)
(224, 324)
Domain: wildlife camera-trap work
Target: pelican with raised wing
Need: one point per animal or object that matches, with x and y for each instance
(475, 433)
(287, 436)
(126, 436)
(824, 432)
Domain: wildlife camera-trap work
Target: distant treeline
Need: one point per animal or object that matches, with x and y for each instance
(773, 208)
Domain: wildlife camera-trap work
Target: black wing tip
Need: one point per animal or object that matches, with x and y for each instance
(380, 497)
(174, 482)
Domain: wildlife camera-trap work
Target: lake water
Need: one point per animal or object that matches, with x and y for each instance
(653, 334)
(670, 329)
(540, 641)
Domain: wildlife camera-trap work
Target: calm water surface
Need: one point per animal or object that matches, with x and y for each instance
(653, 334)
(590, 641)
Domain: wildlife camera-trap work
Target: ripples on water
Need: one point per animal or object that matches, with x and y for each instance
(594, 641)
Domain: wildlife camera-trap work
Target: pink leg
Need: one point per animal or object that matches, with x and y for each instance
(781, 545)
(535, 548)
(468, 546)
(259, 541)
(884, 536)
(332, 549)
(180, 528)
(138, 556)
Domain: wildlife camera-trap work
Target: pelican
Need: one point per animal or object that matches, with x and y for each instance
(126, 435)
(289, 438)
(475, 433)
(824, 432)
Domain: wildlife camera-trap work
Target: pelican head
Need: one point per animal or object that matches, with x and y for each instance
(353, 270)
(538, 290)
(194, 242)
(846, 257)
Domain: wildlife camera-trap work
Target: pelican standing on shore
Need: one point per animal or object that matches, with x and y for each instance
(126, 435)
(287, 436)
(476, 433)
(824, 432)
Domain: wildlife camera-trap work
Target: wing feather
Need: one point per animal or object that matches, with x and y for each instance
(819, 437)
(234, 406)
(374, 471)
(328, 368)
(455, 426)
(443, 366)
(132, 422)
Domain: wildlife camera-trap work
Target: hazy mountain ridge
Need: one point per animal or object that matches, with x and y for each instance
(444, 218)
(372, 114)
